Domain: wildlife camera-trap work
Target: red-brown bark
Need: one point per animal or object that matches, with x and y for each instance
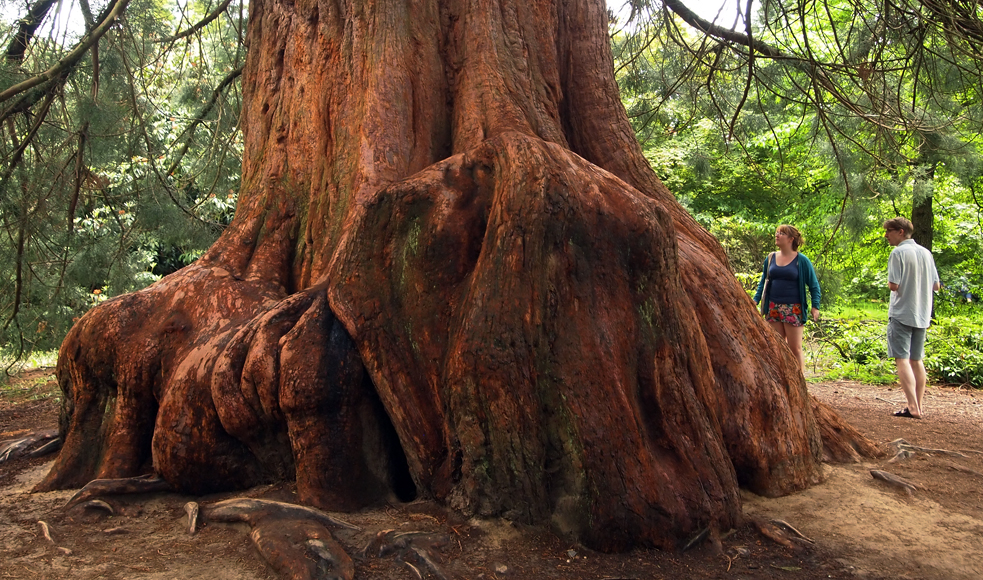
(450, 264)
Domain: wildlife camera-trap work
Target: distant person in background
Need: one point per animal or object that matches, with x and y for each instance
(789, 275)
(912, 277)
(963, 291)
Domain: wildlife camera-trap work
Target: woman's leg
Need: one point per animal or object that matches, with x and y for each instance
(793, 336)
(777, 327)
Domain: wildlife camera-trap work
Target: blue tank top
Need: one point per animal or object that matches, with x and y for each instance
(784, 286)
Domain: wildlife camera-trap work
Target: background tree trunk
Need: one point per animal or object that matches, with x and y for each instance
(922, 211)
(930, 153)
(451, 273)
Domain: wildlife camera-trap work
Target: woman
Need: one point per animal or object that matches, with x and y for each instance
(789, 274)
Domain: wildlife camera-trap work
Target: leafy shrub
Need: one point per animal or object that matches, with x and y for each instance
(858, 345)
(953, 349)
(868, 283)
(859, 341)
(748, 281)
(958, 299)
(746, 242)
(954, 352)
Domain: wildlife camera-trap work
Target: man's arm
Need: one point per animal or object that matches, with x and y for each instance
(894, 267)
(935, 287)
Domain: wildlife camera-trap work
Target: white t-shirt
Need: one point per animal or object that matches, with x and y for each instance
(912, 268)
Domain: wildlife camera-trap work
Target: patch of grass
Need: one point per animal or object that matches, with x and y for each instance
(875, 372)
(30, 379)
(871, 310)
(35, 360)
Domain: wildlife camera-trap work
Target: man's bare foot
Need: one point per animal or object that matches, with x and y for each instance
(906, 413)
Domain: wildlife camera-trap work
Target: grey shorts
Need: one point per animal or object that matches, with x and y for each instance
(905, 341)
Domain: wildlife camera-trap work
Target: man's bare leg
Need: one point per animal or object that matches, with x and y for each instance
(906, 376)
(918, 369)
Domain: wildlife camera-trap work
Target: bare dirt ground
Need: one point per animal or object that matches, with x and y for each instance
(862, 527)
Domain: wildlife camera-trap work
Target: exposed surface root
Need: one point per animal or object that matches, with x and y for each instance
(788, 527)
(778, 531)
(251, 510)
(415, 549)
(301, 549)
(46, 531)
(191, 508)
(907, 450)
(901, 455)
(35, 444)
(388, 542)
(962, 468)
(128, 485)
(424, 557)
(98, 504)
(894, 480)
(293, 539)
(903, 446)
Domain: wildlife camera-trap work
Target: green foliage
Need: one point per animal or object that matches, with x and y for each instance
(954, 351)
(873, 372)
(748, 148)
(746, 243)
(132, 174)
(11, 365)
(858, 340)
(748, 281)
(851, 344)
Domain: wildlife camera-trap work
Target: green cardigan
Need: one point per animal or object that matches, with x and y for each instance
(807, 277)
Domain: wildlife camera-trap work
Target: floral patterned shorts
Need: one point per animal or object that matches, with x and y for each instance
(785, 313)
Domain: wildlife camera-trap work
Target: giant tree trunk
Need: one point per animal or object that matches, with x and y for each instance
(451, 273)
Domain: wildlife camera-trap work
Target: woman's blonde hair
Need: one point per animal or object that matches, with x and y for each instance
(796, 235)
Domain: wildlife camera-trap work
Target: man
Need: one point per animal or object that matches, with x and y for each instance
(912, 277)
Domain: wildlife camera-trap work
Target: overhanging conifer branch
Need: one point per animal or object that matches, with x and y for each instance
(72, 58)
(201, 24)
(200, 118)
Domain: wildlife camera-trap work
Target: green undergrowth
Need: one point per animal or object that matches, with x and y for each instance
(15, 362)
(18, 389)
(954, 351)
(38, 366)
(850, 343)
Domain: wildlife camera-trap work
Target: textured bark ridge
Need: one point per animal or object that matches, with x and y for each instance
(451, 274)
